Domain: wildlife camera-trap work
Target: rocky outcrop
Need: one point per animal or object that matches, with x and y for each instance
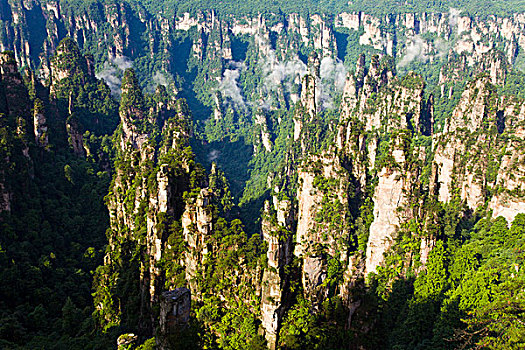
(380, 114)
(477, 156)
(147, 192)
(309, 95)
(124, 341)
(133, 114)
(75, 134)
(175, 307)
(309, 104)
(322, 227)
(322, 180)
(493, 62)
(277, 232)
(16, 98)
(164, 207)
(261, 125)
(510, 180)
(68, 62)
(40, 124)
(390, 199)
(197, 225)
(78, 101)
(370, 166)
(473, 35)
(5, 196)
(460, 165)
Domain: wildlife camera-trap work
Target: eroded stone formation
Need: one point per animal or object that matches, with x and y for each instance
(380, 148)
(343, 196)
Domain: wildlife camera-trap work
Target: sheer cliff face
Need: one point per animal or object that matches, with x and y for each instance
(120, 30)
(323, 221)
(16, 97)
(510, 181)
(275, 294)
(197, 224)
(472, 110)
(381, 115)
(477, 156)
(147, 191)
(462, 33)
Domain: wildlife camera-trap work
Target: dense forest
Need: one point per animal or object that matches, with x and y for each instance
(383, 7)
(217, 175)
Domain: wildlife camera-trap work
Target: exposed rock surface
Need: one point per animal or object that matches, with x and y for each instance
(381, 109)
(277, 232)
(510, 181)
(197, 224)
(260, 120)
(175, 307)
(17, 133)
(148, 195)
(40, 125)
(479, 151)
(387, 198)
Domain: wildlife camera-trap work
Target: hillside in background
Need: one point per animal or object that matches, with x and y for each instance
(334, 7)
(191, 174)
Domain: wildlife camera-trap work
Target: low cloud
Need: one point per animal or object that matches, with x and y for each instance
(122, 62)
(453, 15)
(229, 86)
(442, 47)
(213, 155)
(333, 77)
(112, 72)
(159, 78)
(278, 72)
(288, 74)
(415, 50)
(285, 75)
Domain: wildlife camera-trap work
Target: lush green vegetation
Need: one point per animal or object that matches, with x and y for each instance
(50, 247)
(53, 238)
(468, 297)
(71, 280)
(478, 7)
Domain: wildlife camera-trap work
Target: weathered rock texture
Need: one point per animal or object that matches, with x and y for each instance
(277, 232)
(146, 194)
(381, 114)
(175, 307)
(116, 31)
(477, 156)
